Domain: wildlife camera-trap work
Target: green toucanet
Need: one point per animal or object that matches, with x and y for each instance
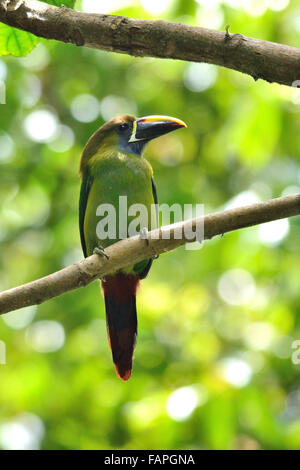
(112, 166)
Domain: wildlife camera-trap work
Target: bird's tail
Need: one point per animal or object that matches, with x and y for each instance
(121, 319)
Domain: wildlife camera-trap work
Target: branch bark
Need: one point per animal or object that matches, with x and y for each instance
(134, 249)
(261, 59)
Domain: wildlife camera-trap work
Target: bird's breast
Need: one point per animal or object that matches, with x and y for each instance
(113, 178)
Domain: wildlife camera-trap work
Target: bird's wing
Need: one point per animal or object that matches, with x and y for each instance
(84, 194)
(145, 269)
(155, 199)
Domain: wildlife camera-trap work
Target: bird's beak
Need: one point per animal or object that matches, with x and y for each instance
(149, 127)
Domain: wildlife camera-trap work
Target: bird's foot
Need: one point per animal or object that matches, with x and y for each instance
(144, 235)
(98, 250)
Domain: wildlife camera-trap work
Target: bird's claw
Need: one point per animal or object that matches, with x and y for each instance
(144, 235)
(98, 250)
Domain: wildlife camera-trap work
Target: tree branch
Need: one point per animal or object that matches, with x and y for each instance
(261, 59)
(132, 250)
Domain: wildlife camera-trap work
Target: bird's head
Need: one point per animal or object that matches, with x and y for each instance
(128, 134)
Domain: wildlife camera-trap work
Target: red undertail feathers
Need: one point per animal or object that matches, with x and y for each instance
(121, 319)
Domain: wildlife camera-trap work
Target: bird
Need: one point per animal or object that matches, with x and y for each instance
(112, 165)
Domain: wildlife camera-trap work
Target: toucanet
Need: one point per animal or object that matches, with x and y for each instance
(111, 166)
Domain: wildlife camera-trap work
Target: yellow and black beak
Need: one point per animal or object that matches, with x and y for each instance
(149, 127)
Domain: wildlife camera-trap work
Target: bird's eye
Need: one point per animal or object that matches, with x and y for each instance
(123, 127)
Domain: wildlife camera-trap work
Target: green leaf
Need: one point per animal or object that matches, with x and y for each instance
(16, 42)
(58, 3)
(19, 43)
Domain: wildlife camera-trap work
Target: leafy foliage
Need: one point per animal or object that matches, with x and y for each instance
(16, 42)
(19, 43)
(213, 364)
(58, 3)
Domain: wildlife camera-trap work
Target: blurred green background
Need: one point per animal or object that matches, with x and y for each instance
(213, 367)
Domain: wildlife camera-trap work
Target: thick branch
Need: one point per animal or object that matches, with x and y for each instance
(260, 59)
(132, 250)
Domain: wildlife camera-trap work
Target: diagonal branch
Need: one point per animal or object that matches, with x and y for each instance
(132, 250)
(261, 59)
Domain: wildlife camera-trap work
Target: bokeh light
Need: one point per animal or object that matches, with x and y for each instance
(20, 318)
(156, 7)
(182, 403)
(236, 287)
(41, 125)
(24, 432)
(30, 91)
(6, 147)
(212, 16)
(63, 141)
(113, 105)
(259, 336)
(46, 336)
(272, 233)
(277, 5)
(85, 108)
(37, 60)
(245, 198)
(200, 77)
(3, 70)
(104, 6)
(235, 371)
(254, 7)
